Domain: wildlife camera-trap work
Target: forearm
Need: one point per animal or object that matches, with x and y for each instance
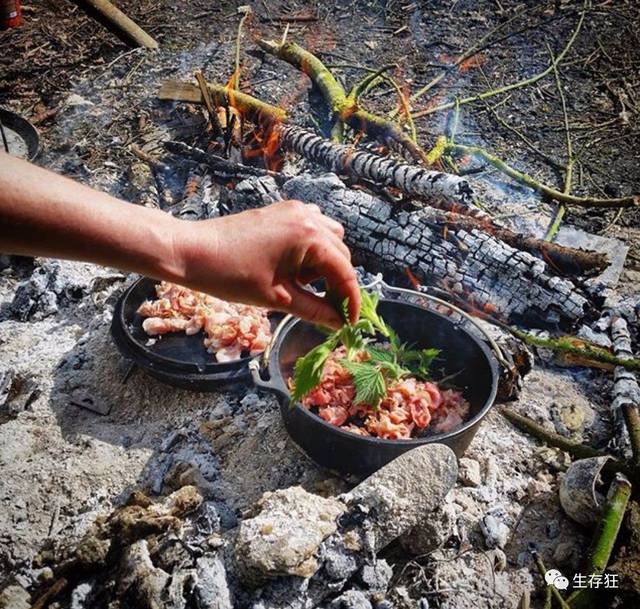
(44, 214)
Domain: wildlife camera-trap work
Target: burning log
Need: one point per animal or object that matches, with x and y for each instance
(464, 262)
(414, 180)
(439, 190)
(344, 107)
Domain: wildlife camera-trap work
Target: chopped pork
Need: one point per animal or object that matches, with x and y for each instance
(410, 406)
(230, 329)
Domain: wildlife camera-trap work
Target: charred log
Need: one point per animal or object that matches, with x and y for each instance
(414, 180)
(467, 263)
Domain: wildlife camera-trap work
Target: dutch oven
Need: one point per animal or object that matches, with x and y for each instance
(463, 354)
(175, 358)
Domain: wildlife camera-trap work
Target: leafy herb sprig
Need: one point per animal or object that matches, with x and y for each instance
(378, 367)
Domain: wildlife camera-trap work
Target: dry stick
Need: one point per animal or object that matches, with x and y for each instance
(388, 172)
(527, 180)
(575, 449)
(550, 587)
(565, 344)
(516, 85)
(604, 539)
(208, 102)
(235, 79)
(559, 215)
(345, 110)
(115, 20)
(45, 599)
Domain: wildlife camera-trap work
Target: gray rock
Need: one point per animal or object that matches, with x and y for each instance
(376, 577)
(15, 597)
(405, 491)
(496, 532)
(431, 533)
(81, 596)
(352, 599)
(469, 472)
(284, 537)
(212, 589)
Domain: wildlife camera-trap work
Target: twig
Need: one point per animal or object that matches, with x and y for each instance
(604, 539)
(548, 191)
(568, 175)
(574, 448)
(208, 102)
(587, 351)
(470, 52)
(542, 570)
(235, 79)
(516, 85)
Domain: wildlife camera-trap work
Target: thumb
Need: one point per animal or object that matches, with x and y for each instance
(307, 305)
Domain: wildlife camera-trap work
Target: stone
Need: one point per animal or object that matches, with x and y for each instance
(376, 577)
(431, 533)
(15, 597)
(469, 472)
(496, 532)
(283, 537)
(405, 491)
(142, 583)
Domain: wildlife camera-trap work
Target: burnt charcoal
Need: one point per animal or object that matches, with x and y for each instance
(45, 291)
(211, 588)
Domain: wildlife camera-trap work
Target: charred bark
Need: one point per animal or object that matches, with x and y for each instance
(470, 264)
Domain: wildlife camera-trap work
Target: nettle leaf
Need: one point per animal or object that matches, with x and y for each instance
(368, 311)
(419, 361)
(368, 381)
(308, 368)
(380, 354)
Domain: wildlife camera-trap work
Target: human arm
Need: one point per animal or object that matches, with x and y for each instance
(258, 257)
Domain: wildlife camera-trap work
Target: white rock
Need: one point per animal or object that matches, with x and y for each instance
(469, 472)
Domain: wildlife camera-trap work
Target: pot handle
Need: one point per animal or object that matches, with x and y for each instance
(260, 383)
(379, 282)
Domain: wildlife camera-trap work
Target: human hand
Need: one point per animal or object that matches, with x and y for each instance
(264, 256)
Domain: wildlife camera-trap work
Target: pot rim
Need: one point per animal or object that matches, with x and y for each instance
(436, 437)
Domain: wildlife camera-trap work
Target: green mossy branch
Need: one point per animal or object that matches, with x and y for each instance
(344, 107)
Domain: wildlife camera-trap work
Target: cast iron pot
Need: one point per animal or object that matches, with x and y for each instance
(175, 358)
(348, 453)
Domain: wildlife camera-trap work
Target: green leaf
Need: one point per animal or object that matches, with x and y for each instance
(380, 354)
(368, 381)
(419, 361)
(308, 368)
(368, 311)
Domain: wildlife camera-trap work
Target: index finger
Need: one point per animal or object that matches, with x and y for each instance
(339, 274)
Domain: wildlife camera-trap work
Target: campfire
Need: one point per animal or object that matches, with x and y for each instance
(143, 472)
